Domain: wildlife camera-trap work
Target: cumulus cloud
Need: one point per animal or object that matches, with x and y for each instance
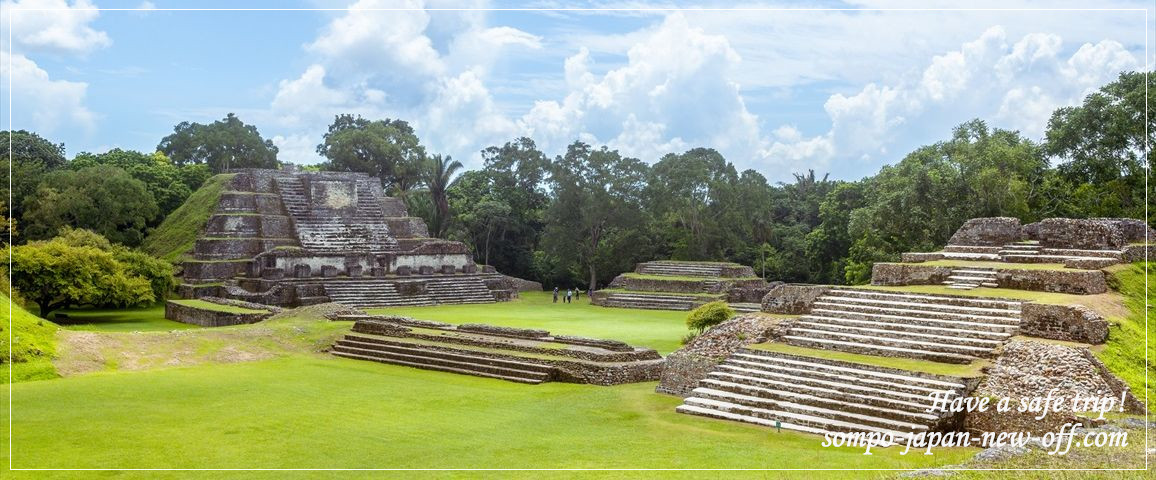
(1016, 84)
(54, 27)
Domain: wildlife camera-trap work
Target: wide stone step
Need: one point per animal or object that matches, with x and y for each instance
(828, 386)
(996, 335)
(873, 398)
(427, 366)
(902, 333)
(911, 415)
(939, 344)
(983, 302)
(907, 387)
(1072, 252)
(970, 256)
(791, 421)
(1002, 327)
(754, 401)
(926, 306)
(877, 349)
(891, 376)
(746, 307)
(970, 278)
(458, 356)
(916, 312)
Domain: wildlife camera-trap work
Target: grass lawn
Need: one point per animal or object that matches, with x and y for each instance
(658, 329)
(144, 319)
(310, 411)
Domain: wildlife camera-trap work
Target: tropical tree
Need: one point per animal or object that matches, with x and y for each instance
(55, 274)
(101, 198)
(387, 149)
(32, 157)
(221, 145)
(439, 177)
(168, 183)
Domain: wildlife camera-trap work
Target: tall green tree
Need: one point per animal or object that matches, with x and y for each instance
(165, 180)
(387, 149)
(55, 274)
(597, 197)
(32, 158)
(439, 177)
(221, 145)
(690, 196)
(102, 198)
(1099, 149)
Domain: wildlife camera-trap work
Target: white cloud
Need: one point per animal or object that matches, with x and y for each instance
(39, 101)
(1016, 86)
(55, 26)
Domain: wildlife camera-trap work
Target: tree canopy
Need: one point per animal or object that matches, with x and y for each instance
(387, 149)
(101, 198)
(221, 145)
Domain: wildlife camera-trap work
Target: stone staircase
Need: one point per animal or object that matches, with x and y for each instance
(817, 395)
(322, 230)
(740, 307)
(398, 352)
(651, 301)
(968, 252)
(971, 277)
(681, 269)
(938, 328)
(378, 293)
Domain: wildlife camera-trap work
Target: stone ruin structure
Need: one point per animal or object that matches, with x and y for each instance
(287, 238)
(778, 371)
(681, 285)
(513, 354)
(1076, 244)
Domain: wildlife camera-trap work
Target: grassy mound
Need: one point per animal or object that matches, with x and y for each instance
(33, 343)
(1124, 352)
(175, 236)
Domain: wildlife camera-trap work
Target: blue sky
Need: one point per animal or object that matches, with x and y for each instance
(779, 91)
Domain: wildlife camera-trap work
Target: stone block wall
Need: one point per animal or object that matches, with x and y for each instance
(1074, 323)
(1134, 230)
(792, 299)
(989, 231)
(901, 274)
(209, 318)
(1080, 234)
(1077, 282)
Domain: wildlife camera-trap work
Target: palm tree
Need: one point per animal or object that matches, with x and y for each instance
(439, 177)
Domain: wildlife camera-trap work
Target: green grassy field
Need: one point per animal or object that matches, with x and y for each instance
(32, 344)
(175, 236)
(657, 329)
(143, 319)
(322, 412)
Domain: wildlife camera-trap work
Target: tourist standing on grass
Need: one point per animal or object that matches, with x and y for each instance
(578, 293)
(555, 294)
(568, 292)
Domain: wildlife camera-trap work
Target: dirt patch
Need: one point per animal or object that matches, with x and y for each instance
(80, 352)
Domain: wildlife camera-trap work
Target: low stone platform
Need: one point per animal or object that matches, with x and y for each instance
(817, 395)
(1058, 280)
(511, 354)
(677, 285)
(213, 314)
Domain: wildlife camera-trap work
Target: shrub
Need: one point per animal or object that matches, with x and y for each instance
(709, 315)
(689, 337)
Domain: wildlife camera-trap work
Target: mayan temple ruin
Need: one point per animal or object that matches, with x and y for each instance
(682, 285)
(288, 238)
(826, 358)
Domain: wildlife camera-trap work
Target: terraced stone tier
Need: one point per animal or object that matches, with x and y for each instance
(499, 354)
(650, 300)
(394, 292)
(817, 395)
(694, 269)
(938, 328)
(321, 229)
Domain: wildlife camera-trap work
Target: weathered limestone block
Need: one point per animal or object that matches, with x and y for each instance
(519, 284)
(328, 271)
(736, 271)
(426, 270)
(1090, 263)
(530, 333)
(792, 299)
(378, 271)
(354, 270)
(904, 274)
(1137, 253)
(448, 269)
(203, 270)
(489, 269)
(209, 318)
(393, 207)
(1134, 230)
(919, 257)
(1074, 323)
(404, 270)
(272, 273)
(1078, 282)
(687, 366)
(408, 289)
(302, 270)
(1080, 234)
(1027, 369)
(989, 231)
(470, 268)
